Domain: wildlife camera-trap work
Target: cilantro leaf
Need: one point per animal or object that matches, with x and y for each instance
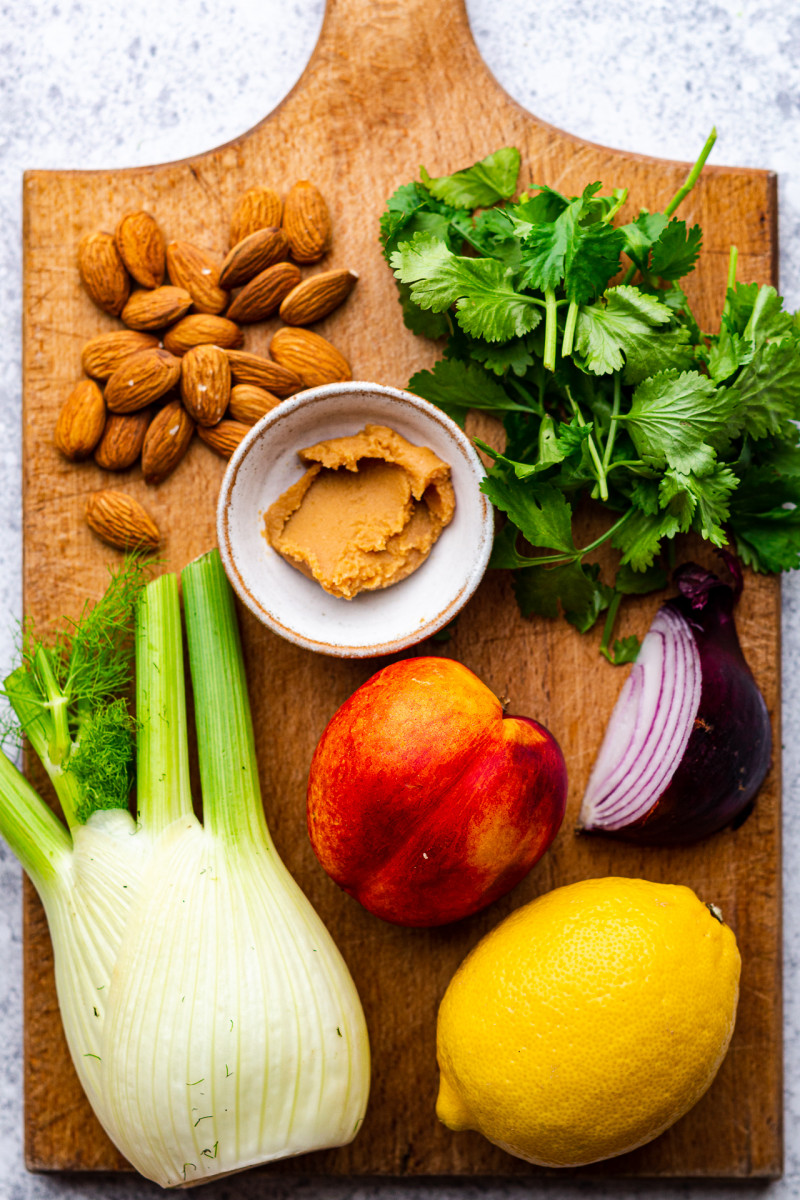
(763, 311)
(765, 513)
(626, 650)
(672, 418)
(592, 259)
(455, 387)
(766, 392)
(544, 256)
(481, 288)
(493, 178)
(540, 511)
(640, 537)
(676, 250)
(575, 588)
(538, 209)
(491, 233)
(412, 209)
(421, 322)
(662, 247)
(399, 208)
(726, 354)
(644, 495)
(639, 583)
(584, 256)
(618, 330)
(640, 235)
(769, 541)
(702, 502)
(554, 447)
(513, 356)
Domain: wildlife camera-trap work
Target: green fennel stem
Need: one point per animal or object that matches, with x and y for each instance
(39, 726)
(232, 806)
(57, 704)
(34, 833)
(162, 769)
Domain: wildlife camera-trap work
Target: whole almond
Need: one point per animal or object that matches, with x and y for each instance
(81, 420)
(310, 356)
(263, 373)
(157, 308)
(197, 271)
(200, 329)
(141, 244)
(122, 440)
(141, 379)
(166, 441)
(224, 437)
(307, 222)
(102, 355)
(262, 296)
(252, 255)
(205, 383)
(316, 297)
(249, 404)
(121, 521)
(258, 208)
(103, 273)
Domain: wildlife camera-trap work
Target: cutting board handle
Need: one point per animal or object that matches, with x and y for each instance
(396, 55)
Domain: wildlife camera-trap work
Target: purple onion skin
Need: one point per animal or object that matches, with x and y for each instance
(730, 748)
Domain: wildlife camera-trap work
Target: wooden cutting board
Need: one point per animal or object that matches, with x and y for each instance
(392, 84)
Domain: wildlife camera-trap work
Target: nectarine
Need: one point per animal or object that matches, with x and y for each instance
(425, 801)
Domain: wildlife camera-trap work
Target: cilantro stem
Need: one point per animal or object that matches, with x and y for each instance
(612, 428)
(605, 536)
(569, 329)
(602, 483)
(620, 196)
(693, 176)
(631, 463)
(732, 264)
(608, 627)
(544, 560)
(550, 330)
(682, 192)
(533, 404)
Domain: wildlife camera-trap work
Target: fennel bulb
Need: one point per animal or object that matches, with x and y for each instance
(209, 1015)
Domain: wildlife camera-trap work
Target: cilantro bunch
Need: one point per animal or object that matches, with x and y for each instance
(606, 390)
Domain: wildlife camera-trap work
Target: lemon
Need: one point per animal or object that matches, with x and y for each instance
(588, 1021)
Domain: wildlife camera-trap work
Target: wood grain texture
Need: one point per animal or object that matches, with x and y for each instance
(392, 84)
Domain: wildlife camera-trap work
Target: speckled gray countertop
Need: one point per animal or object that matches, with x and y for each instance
(102, 83)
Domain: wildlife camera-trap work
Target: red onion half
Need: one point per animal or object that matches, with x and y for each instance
(689, 740)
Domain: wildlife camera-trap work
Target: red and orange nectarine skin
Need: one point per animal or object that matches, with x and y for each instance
(425, 801)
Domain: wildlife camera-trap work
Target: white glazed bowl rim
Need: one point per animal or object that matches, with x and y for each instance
(475, 563)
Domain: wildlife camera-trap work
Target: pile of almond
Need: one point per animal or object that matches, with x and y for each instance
(178, 368)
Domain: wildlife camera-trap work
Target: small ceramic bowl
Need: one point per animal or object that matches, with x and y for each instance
(265, 464)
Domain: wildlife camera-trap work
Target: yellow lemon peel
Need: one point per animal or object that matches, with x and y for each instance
(588, 1021)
